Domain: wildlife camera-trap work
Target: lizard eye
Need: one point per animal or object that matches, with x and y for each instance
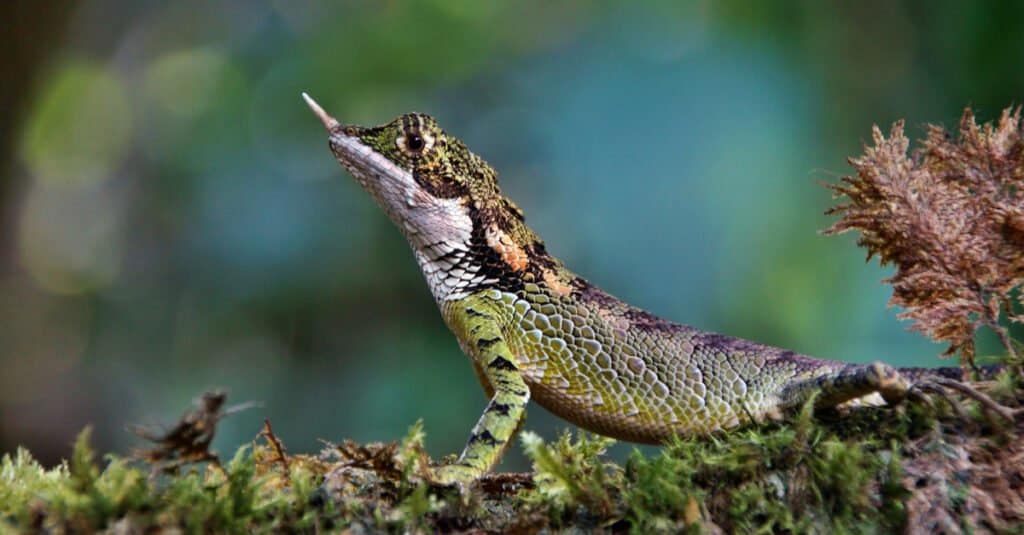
(414, 143)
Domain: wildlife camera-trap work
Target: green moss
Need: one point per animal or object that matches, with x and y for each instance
(865, 471)
(81, 496)
(793, 478)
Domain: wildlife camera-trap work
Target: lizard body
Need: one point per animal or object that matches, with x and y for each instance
(535, 330)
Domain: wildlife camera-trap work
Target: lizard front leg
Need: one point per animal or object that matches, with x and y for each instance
(507, 408)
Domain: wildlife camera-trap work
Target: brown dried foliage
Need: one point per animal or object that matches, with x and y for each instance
(280, 454)
(190, 438)
(950, 217)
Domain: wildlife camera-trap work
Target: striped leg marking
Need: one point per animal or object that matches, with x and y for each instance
(505, 412)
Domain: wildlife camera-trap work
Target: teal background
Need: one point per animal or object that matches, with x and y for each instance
(173, 220)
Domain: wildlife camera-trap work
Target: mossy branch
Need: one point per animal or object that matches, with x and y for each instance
(874, 470)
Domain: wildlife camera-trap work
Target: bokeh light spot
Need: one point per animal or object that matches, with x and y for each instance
(181, 82)
(70, 240)
(79, 129)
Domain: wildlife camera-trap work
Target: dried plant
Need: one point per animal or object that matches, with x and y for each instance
(950, 217)
(189, 440)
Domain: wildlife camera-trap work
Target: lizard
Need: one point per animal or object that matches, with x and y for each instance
(533, 329)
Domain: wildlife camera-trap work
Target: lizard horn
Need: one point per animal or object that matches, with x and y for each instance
(330, 123)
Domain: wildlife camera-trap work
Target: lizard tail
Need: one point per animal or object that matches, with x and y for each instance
(984, 373)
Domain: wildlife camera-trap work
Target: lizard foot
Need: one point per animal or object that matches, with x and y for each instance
(454, 475)
(889, 383)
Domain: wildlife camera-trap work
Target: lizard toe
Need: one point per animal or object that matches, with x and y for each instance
(454, 475)
(889, 383)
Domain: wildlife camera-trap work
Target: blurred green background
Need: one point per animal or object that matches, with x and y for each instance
(173, 220)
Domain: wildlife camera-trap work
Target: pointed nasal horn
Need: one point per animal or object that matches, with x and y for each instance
(330, 123)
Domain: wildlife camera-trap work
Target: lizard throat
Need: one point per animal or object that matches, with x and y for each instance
(451, 272)
(439, 230)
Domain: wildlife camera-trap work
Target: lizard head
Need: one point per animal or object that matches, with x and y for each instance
(427, 181)
(444, 198)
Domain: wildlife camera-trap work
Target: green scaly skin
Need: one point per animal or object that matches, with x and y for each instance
(533, 329)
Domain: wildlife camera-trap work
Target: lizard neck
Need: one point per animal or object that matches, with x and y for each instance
(501, 253)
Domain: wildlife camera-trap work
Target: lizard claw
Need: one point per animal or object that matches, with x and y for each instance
(917, 393)
(943, 387)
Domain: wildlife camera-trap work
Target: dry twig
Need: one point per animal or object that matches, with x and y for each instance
(189, 440)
